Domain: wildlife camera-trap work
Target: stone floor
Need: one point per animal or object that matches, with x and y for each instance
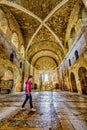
(54, 111)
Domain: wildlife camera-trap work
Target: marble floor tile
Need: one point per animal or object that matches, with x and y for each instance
(54, 111)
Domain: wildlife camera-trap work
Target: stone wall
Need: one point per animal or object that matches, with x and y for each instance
(76, 57)
(12, 50)
(69, 73)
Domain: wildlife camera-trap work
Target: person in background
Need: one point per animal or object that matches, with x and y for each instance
(28, 90)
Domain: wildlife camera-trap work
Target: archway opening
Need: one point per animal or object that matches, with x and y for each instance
(82, 72)
(6, 82)
(46, 80)
(73, 82)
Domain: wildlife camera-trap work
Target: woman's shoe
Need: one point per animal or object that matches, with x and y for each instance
(32, 109)
(22, 108)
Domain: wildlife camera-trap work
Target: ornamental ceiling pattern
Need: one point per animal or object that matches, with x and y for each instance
(28, 24)
(43, 24)
(44, 34)
(39, 7)
(58, 21)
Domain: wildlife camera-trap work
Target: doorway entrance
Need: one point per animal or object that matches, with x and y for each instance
(82, 72)
(73, 82)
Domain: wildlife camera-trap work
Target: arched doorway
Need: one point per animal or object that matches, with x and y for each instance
(6, 83)
(82, 72)
(73, 82)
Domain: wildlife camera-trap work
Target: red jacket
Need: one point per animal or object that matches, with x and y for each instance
(28, 87)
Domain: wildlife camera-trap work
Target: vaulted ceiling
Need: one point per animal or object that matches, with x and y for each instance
(43, 24)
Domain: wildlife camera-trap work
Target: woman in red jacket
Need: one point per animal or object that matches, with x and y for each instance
(28, 90)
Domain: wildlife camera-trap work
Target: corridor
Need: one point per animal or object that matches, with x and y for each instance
(54, 111)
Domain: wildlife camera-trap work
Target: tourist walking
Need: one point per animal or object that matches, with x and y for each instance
(28, 90)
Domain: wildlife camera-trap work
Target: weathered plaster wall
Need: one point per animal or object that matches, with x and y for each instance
(8, 26)
(77, 41)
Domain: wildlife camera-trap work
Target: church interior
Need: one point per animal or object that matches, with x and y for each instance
(48, 40)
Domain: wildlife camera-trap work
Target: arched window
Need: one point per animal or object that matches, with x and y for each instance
(72, 35)
(12, 57)
(20, 64)
(76, 55)
(69, 62)
(67, 45)
(82, 12)
(22, 50)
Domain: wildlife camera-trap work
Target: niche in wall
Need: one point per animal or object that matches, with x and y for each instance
(15, 40)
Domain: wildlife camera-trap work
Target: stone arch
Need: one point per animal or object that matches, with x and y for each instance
(82, 72)
(8, 75)
(48, 57)
(17, 77)
(6, 82)
(73, 82)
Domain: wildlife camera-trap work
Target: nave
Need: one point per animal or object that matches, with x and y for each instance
(54, 111)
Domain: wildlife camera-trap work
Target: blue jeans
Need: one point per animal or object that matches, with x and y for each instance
(26, 99)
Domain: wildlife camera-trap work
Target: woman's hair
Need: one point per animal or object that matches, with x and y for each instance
(30, 76)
